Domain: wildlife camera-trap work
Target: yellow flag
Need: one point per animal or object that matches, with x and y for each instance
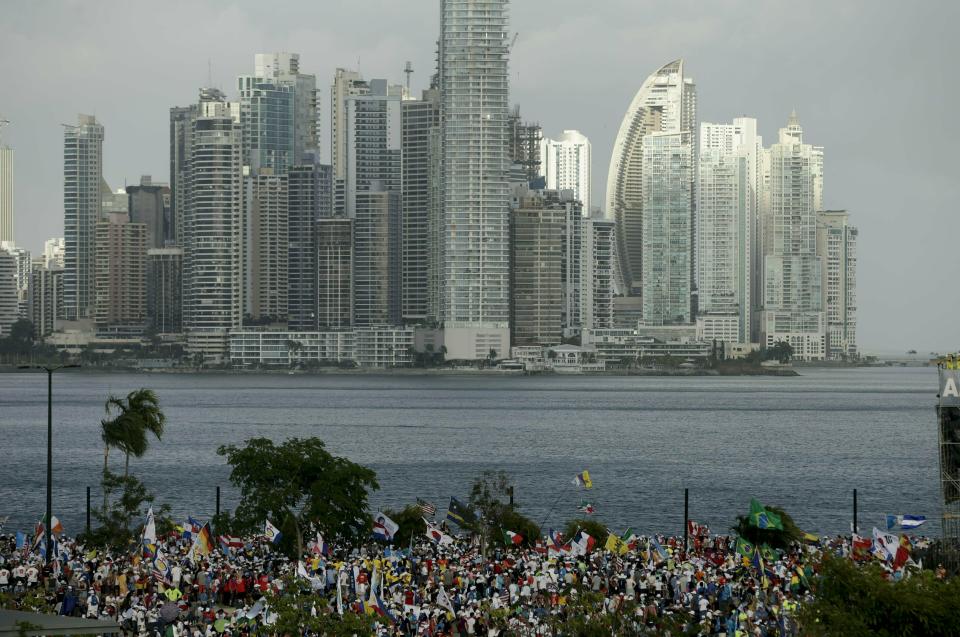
(616, 545)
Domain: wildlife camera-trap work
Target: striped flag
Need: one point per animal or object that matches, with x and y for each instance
(505, 598)
(426, 507)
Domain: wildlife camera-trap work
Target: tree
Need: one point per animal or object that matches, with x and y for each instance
(136, 415)
(774, 537)
(294, 607)
(410, 521)
(781, 351)
(494, 515)
(119, 513)
(297, 482)
(594, 528)
(851, 600)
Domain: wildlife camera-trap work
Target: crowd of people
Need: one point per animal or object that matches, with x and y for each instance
(451, 586)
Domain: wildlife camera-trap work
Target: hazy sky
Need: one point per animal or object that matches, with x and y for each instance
(873, 82)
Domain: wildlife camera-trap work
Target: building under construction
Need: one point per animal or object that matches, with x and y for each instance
(948, 412)
(525, 140)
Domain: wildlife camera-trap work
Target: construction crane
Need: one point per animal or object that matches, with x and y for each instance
(408, 71)
(513, 41)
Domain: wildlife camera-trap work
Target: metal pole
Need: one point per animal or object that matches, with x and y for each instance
(88, 509)
(218, 500)
(511, 496)
(686, 518)
(855, 511)
(49, 523)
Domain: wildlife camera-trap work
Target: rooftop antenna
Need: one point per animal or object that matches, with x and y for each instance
(3, 122)
(408, 71)
(209, 73)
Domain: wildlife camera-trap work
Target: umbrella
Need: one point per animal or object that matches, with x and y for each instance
(220, 625)
(169, 611)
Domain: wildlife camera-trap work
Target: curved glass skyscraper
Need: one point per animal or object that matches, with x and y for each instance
(650, 194)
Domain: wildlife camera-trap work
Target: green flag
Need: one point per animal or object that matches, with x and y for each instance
(762, 518)
(745, 549)
(768, 553)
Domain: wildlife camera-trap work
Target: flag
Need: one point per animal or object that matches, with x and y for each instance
(505, 598)
(615, 544)
(582, 543)
(459, 513)
(693, 529)
(426, 507)
(810, 538)
(582, 479)
(191, 527)
(150, 529)
(903, 552)
(905, 521)
(373, 605)
(229, 542)
(271, 532)
(509, 537)
(443, 600)
(203, 542)
(768, 553)
(861, 547)
(885, 545)
(315, 582)
(320, 546)
(434, 534)
(659, 549)
(21, 540)
(762, 518)
(384, 528)
(56, 528)
(746, 549)
(586, 507)
(758, 564)
(555, 542)
(161, 567)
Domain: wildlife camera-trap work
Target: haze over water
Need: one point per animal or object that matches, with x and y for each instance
(802, 443)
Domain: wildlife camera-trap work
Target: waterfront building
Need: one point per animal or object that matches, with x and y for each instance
(149, 204)
(46, 295)
(164, 290)
(665, 103)
(566, 165)
(334, 275)
(24, 266)
(667, 230)
(837, 246)
(213, 298)
(596, 273)
(639, 347)
(420, 121)
(308, 201)
(373, 347)
(9, 310)
(121, 251)
(474, 106)
(536, 231)
(793, 300)
(181, 128)
(266, 245)
(82, 201)
(346, 84)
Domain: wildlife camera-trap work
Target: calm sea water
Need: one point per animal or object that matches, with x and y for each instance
(802, 443)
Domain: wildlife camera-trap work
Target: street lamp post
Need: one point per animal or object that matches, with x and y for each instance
(47, 540)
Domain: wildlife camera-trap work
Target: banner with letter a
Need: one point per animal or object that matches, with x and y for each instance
(949, 387)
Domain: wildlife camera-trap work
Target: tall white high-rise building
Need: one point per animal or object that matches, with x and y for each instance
(596, 273)
(792, 302)
(213, 294)
(266, 245)
(346, 84)
(6, 191)
(82, 201)
(727, 216)
(837, 246)
(474, 114)
(665, 103)
(667, 246)
(9, 304)
(566, 165)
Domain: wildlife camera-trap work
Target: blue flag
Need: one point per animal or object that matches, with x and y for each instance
(21, 540)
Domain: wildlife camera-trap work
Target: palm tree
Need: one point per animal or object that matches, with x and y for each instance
(137, 415)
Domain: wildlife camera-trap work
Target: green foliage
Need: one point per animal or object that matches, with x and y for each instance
(490, 500)
(593, 528)
(856, 601)
(300, 480)
(584, 617)
(774, 537)
(294, 617)
(120, 522)
(513, 520)
(137, 415)
(410, 520)
(781, 351)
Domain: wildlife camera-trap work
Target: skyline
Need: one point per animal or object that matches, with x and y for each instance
(900, 303)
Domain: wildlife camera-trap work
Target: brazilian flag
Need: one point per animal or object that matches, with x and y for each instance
(762, 518)
(746, 549)
(768, 553)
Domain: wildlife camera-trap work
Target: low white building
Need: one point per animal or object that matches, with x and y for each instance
(624, 343)
(374, 347)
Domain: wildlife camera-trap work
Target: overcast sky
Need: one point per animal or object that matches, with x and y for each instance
(873, 82)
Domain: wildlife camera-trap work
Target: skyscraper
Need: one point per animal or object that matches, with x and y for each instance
(308, 201)
(334, 273)
(6, 191)
(82, 179)
(420, 121)
(728, 193)
(213, 298)
(665, 103)
(837, 246)
(149, 204)
(566, 165)
(793, 303)
(267, 245)
(53, 251)
(374, 179)
(596, 273)
(8, 292)
(536, 229)
(165, 290)
(46, 293)
(345, 84)
(121, 253)
(666, 246)
(474, 114)
(181, 127)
